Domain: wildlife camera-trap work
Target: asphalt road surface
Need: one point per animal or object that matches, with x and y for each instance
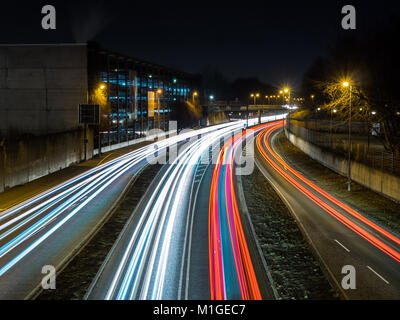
(51, 227)
(341, 236)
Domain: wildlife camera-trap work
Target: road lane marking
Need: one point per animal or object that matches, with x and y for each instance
(382, 278)
(342, 245)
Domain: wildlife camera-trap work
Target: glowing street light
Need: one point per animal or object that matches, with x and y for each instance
(254, 96)
(195, 94)
(347, 84)
(287, 90)
(211, 97)
(158, 93)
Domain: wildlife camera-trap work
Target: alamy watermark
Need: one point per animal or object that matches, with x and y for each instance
(49, 20)
(349, 20)
(349, 280)
(49, 280)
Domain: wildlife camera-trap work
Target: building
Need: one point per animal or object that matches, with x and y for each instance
(140, 95)
(42, 86)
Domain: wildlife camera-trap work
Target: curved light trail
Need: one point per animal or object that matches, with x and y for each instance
(149, 249)
(32, 225)
(146, 262)
(381, 239)
(231, 270)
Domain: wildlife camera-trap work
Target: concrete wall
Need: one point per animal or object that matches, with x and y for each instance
(41, 87)
(374, 179)
(125, 144)
(216, 118)
(33, 157)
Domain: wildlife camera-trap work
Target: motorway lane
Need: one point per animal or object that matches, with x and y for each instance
(339, 235)
(148, 260)
(48, 232)
(162, 253)
(236, 270)
(49, 228)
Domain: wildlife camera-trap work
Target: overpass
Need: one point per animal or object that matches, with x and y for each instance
(238, 107)
(239, 110)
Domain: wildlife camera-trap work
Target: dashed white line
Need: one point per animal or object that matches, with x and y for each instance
(342, 245)
(382, 278)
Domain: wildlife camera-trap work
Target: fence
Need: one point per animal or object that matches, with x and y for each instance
(332, 137)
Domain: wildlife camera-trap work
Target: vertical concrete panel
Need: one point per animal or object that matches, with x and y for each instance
(16, 159)
(35, 157)
(35, 162)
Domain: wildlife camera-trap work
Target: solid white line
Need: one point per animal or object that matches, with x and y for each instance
(342, 245)
(387, 282)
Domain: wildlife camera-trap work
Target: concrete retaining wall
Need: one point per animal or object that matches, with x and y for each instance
(216, 118)
(133, 142)
(374, 179)
(32, 157)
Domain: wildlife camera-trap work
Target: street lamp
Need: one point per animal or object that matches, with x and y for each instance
(247, 109)
(254, 96)
(159, 92)
(287, 90)
(347, 84)
(195, 94)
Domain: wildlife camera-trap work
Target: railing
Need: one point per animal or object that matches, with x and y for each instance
(365, 148)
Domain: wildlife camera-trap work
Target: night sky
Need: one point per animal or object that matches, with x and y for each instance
(275, 41)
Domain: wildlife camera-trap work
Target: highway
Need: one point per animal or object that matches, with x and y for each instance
(339, 235)
(51, 227)
(163, 252)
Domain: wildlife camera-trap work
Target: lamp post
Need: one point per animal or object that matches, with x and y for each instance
(254, 96)
(347, 84)
(102, 88)
(159, 92)
(195, 94)
(287, 90)
(330, 129)
(247, 109)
